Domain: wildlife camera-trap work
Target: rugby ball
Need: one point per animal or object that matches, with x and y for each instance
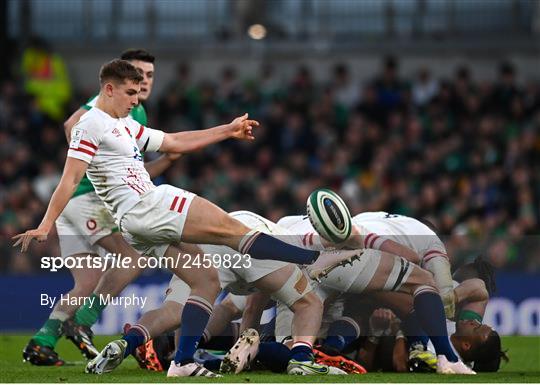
(329, 215)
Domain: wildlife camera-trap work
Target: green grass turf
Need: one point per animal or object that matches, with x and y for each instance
(524, 366)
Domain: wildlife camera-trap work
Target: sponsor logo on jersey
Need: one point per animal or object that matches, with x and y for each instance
(76, 136)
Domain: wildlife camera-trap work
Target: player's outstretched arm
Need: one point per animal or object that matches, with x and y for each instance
(74, 170)
(181, 142)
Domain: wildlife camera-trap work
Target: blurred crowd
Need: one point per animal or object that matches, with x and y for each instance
(461, 153)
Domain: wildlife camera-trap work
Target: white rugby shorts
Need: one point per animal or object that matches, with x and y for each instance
(178, 291)
(84, 221)
(157, 220)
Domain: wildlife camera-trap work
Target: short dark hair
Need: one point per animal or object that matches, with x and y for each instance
(487, 357)
(480, 268)
(137, 54)
(119, 71)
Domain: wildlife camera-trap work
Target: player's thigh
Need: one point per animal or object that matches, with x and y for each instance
(366, 274)
(391, 274)
(207, 223)
(287, 284)
(417, 277)
(158, 218)
(87, 217)
(169, 214)
(118, 246)
(71, 241)
(275, 280)
(401, 303)
(177, 292)
(235, 304)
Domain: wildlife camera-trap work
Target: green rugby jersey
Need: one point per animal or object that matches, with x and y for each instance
(138, 113)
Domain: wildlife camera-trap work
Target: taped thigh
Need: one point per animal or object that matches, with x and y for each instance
(401, 271)
(296, 287)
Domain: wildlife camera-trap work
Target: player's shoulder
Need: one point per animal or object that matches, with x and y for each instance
(297, 224)
(371, 215)
(95, 121)
(290, 220)
(131, 123)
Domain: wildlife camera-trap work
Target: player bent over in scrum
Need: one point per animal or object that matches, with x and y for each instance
(283, 281)
(377, 271)
(106, 144)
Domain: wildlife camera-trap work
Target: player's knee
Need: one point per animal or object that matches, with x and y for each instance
(226, 227)
(229, 306)
(425, 278)
(310, 302)
(431, 282)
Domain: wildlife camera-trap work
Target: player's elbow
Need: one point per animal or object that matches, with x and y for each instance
(480, 290)
(72, 182)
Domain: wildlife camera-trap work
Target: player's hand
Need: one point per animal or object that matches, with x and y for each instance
(242, 128)
(380, 321)
(449, 302)
(24, 239)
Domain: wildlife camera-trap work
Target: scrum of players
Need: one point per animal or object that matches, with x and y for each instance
(381, 298)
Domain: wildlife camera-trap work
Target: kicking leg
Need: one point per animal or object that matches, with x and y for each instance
(206, 223)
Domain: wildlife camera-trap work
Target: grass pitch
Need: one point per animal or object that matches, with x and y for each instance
(524, 366)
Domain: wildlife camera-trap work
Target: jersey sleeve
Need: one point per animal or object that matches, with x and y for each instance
(148, 139)
(85, 140)
(370, 239)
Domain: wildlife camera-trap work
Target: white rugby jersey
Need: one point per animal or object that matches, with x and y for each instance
(300, 224)
(112, 148)
(404, 230)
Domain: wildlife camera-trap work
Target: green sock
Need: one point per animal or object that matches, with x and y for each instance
(49, 333)
(89, 313)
